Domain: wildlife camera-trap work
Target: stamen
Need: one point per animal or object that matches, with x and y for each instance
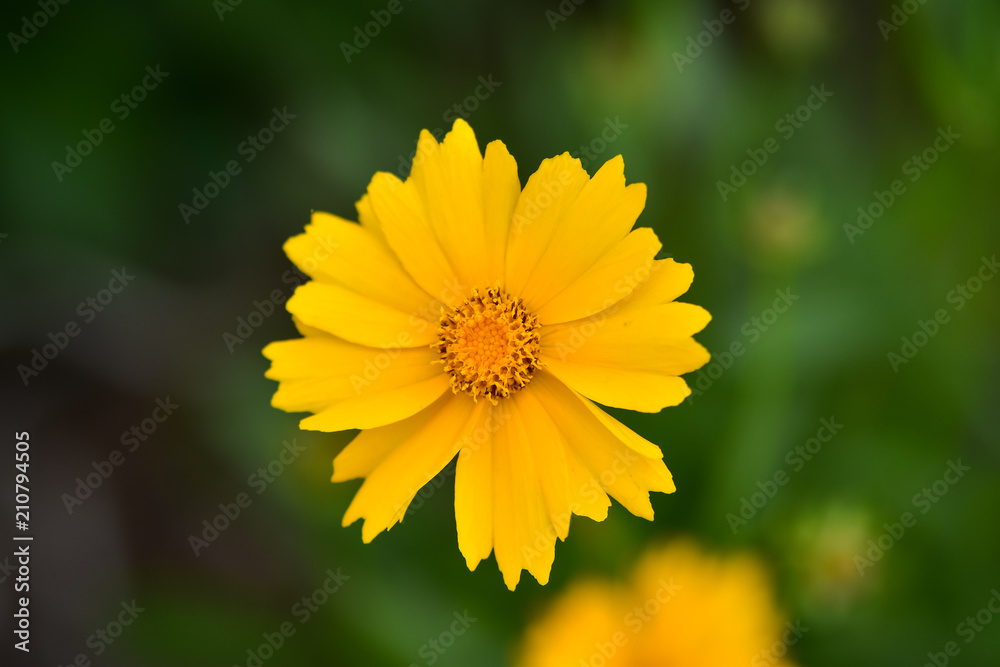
(489, 345)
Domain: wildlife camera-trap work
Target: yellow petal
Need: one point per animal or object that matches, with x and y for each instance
(513, 492)
(627, 359)
(546, 198)
(654, 338)
(424, 446)
(585, 494)
(600, 217)
(619, 388)
(523, 536)
(607, 282)
(624, 433)
(506, 529)
(548, 449)
(359, 319)
(317, 374)
(371, 409)
(368, 219)
(501, 189)
(403, 218)
(344, 253)
(625, 474)
(361, 456)
(309, 331)
(449, 179)
(474, 488)
(371, 447)
(667, 281)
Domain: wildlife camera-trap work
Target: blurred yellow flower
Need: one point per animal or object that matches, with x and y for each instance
(681, 608)
(466, 316)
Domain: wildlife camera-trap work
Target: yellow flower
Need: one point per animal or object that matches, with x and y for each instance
(681, 608)
(466, 316)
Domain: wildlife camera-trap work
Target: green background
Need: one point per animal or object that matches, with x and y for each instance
(560, 82)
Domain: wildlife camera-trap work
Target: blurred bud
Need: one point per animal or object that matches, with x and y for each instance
(796, 29)
(823, 555)
(783, 228)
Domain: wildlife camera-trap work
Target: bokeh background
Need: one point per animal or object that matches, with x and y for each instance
(561, 75)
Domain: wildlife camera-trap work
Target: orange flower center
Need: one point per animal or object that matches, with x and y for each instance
(489, 345)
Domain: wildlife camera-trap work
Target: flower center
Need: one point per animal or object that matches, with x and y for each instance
(489, 345)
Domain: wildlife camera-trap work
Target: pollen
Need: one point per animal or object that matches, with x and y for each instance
(489, 345)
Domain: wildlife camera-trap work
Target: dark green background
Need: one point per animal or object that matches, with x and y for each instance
(784, 229)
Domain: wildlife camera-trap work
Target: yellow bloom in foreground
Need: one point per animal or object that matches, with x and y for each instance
(682, 608)
(466, 316)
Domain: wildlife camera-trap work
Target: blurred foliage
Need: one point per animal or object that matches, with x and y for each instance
(560, 83)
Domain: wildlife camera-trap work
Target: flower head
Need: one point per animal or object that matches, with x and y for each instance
(681, 607)
(465, 316)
